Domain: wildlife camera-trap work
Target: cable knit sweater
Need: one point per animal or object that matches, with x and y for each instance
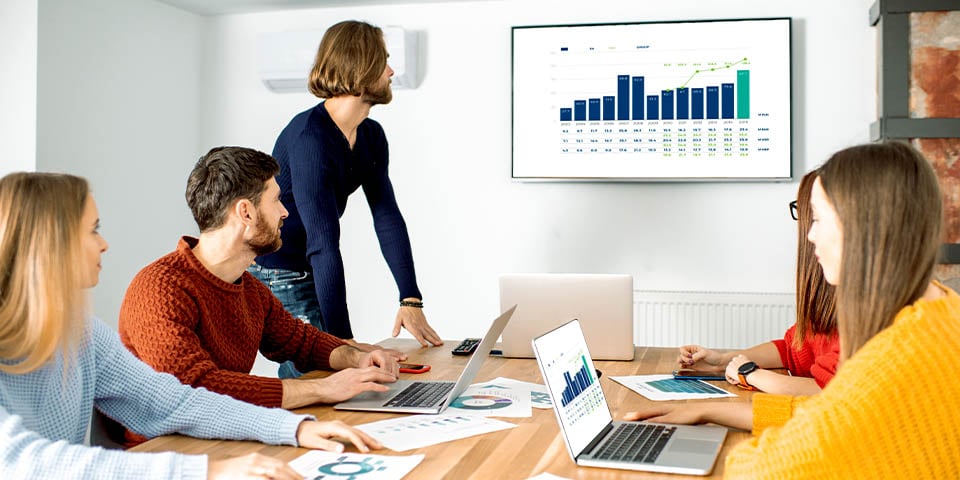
(44, 416)
(181, 319)
(889, 413)
(817, 358)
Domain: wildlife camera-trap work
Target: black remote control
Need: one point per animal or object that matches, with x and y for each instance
(466, 347)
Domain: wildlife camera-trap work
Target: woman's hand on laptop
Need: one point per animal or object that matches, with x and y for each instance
(730, 414)
(683, 414)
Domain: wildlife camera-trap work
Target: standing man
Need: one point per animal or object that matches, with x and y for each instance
(197, 314)
(326, 153)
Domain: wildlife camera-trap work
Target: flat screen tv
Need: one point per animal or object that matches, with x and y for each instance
(653, 101)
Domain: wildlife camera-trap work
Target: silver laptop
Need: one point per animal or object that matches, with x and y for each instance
(593, 438)
(428, 396)
(603, 304)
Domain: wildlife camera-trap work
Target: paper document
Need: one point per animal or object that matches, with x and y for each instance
(493, 399)
(665, 387)
(547, 476)
(417, 431)
(539, 397)
(318, 464)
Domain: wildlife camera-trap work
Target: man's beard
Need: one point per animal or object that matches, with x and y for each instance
(265, 240)
(378, 95)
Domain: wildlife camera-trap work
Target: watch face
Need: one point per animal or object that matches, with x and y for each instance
(746, 368)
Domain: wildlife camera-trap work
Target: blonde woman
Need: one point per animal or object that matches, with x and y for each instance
(889, 412)
(57, 363)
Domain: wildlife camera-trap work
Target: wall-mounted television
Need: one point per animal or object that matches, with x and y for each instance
(653, 101)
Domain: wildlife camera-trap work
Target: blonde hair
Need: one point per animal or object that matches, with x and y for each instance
(42, 303)
(890, 208)
(351, 58)
(816, 299)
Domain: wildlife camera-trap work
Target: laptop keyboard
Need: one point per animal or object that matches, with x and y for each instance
(421, 394)
(636, 443)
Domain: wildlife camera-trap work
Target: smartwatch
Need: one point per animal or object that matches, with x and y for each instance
(743, 371)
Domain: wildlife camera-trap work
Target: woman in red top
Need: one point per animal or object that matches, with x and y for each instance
(809, 350)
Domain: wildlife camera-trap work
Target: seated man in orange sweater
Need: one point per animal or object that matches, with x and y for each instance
(196, 313)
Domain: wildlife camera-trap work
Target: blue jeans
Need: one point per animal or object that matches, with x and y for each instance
(297, 293)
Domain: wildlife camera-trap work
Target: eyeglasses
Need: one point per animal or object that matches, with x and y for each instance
(793, 210)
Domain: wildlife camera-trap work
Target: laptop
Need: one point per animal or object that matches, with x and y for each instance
(603, 304)
(593, 438)
(428, 396)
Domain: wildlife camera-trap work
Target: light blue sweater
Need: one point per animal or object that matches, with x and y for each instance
(44, 416)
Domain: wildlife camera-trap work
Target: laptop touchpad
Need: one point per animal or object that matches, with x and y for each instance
(374, 396)
(686, 445)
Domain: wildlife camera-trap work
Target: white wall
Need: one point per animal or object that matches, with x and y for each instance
(131, 92)
(18, 85)
(450, 154)
(119, 84)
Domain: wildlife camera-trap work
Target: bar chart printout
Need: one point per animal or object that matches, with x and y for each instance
(685, 100)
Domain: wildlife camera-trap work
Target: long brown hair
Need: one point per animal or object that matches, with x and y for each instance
(351, 58)
(888, 202)
(42, 303)
(816, 299)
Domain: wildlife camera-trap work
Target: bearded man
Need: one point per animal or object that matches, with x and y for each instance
(326, 154)
(198, 314)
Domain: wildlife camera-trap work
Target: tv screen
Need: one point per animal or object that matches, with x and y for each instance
(657, 101)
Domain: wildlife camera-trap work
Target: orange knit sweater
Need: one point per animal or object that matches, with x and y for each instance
(889, 413)
(181, 319)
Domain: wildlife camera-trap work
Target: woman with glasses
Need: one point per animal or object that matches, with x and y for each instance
(889, 412)
(57, 362)
(810, 348)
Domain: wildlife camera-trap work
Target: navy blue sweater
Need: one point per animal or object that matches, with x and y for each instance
(318, 172)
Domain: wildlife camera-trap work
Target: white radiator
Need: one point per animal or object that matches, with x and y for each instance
(712, 319)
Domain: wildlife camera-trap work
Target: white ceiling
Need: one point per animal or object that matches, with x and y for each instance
(220, 7)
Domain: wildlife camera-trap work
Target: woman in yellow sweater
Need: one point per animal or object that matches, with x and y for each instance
(889, 412)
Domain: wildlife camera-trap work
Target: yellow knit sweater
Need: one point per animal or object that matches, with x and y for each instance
(892, 411)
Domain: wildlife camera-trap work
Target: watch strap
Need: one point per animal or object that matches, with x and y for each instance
(744, 384)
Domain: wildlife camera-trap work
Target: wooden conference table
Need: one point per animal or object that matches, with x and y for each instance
(534, 447)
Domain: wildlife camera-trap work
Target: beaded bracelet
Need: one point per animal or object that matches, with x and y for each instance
(411, 303)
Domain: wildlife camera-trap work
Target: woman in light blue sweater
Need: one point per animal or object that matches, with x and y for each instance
(57, 363)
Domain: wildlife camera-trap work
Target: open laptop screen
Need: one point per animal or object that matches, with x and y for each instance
(572, 382)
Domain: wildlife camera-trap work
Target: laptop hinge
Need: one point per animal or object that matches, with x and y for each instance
(596, 440)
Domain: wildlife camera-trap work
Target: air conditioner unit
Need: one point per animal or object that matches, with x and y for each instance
(285, 58)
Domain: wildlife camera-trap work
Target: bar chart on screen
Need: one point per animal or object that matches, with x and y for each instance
(581, 394)
(655, 100)
(680, 109)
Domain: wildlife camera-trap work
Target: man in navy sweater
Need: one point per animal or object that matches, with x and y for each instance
(326, 153)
